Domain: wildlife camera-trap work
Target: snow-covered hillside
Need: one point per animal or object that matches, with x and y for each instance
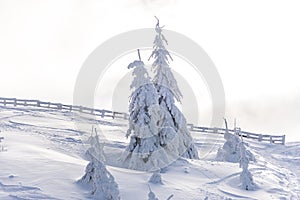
(43, 158)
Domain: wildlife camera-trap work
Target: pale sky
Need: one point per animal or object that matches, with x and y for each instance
(255, 46)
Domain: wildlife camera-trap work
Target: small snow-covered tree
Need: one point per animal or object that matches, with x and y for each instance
(246, 177)
(1, 146)
(230, 151)
(96, 148)
(155, 178)
(100, 181)
(173, 132)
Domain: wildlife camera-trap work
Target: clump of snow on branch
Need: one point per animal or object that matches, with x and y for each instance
(230, 152)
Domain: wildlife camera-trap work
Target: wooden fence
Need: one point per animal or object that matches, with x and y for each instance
(276, 139)
(58, 106)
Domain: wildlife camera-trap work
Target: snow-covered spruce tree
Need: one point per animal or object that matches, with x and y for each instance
(96, 148)
(156, 178)
(142, 152)
(100, 181)
(97, 177)
(246, 177)
(173, 132)
(230, 152)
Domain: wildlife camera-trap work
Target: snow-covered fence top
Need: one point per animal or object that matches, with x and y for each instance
(59, 106)
(276, 139)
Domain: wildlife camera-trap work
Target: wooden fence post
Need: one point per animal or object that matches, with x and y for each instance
(216, 130)
(102, 114)
(283, 139)
(192, 127)
(260, 137)
(271, 139)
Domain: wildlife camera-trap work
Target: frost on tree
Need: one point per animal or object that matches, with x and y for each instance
(100, 181)
(144, 151)
(173, 133)
(230, 152)
(246, 177)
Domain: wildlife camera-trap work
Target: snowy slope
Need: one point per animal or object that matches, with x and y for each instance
(44, 150)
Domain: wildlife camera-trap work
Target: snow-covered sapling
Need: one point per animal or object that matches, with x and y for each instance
(96, 148)
(100, 181)
(1, 146)
(246, 177)
(230, 151)
(156, 178)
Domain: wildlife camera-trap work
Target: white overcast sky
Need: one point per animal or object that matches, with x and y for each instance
(255, 46)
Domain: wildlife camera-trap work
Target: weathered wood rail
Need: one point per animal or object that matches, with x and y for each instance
(58, 106)
(276, 139)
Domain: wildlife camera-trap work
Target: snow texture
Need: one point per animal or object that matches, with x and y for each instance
(44, 159)
(151, 196)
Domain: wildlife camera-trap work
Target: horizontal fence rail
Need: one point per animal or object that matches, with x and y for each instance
(276, 139)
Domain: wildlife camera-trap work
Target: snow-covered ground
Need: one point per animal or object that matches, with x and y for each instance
(43, 159)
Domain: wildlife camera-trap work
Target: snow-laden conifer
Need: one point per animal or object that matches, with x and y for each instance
(144, 151)
(230, 151)
(173, 132)
(95, 147)
(246, 177)
(100, 181)
(97, 178)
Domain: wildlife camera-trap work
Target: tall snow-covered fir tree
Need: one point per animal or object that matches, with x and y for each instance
(144, 116)
(173, 132)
